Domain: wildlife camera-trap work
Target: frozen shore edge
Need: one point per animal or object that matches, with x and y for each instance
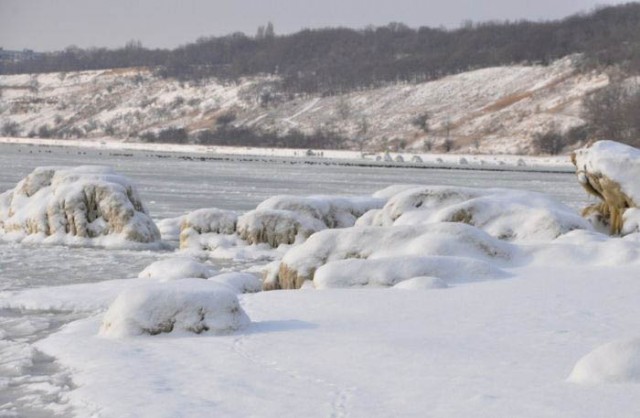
(553, 164)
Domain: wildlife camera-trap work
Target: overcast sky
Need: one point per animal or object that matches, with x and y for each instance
(45, 25)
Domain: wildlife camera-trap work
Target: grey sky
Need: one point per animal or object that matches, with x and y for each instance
(55, 24)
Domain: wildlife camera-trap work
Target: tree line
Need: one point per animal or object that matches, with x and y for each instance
(336, 60)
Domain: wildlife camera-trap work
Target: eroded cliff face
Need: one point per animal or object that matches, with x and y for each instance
(492, 110)
(610, 171)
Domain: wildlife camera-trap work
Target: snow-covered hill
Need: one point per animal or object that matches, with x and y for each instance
(492, 110)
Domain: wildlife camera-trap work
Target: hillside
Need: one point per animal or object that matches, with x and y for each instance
(492, 110)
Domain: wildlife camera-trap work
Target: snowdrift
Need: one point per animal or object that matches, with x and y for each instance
(512, 215)
(610, 171)
(400, 242)
(86, 202)
(189, 305)
(285, 219)
(615, 362)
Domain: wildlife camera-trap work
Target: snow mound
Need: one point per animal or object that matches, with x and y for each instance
(615, 362)
(188, 305)
(87, 202)
(610, 171)
(175, 268)
(206, 221)
(442, 239)
(387, 272)
(422, 282)
(239, 282)
(287, 219)
(506, 214)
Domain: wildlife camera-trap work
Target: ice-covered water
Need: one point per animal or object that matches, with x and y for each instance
(171, 185)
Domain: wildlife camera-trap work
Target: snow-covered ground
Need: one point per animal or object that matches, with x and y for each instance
(548, 330)
(491, 110)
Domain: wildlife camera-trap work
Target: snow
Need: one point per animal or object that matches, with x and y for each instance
(206, 221)
(506, 214)
(83, 204)
(618, 162)
(175, 268)
(441, 319)
(188, 305)
(370, 243)
(614, 362)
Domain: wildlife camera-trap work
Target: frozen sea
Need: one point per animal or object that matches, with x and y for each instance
(173, 184)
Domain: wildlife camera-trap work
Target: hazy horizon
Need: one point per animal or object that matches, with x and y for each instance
(46, 25)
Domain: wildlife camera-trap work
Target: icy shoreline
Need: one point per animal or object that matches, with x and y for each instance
(525, 163)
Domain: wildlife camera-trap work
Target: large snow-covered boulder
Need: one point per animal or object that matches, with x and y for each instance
(175, 268)
(610, 171)
(506, 214)
(615, 362)
(84, 202)
(288, 219)
(370, 243)
(239, 282)
(390, 271)
(206, 221)
(189, 305)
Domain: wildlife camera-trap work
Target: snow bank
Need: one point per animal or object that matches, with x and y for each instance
(187, 305)
(610, 171)
(442, 239)
(175, 268)
(287, 219)
(206, 221)
(387, 272)
(86, 202)
(512, 215)
(615, 362)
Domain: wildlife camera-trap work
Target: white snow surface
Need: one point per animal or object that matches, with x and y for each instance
(616, 161)
(614, 362)
(174, 268)
(188, 305)
(479, 347)
(513, 215)
(85, 205)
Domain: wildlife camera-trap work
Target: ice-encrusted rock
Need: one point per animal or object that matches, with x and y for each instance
(86, 202)
(206, 221)
(614, 362)
(190, 305)
(442, 239)
(503, 213)
(610, 171)
(175, 268)
(287, 219)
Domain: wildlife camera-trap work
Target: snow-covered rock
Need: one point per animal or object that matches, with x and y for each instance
(615, 362)
(276, 227)
(286, 219)
(86, 202)
(206, 221)
(370, 243)
(503, 213)
(175, 268)
(387, 272)
(188, 305)
(239, 282)
(610, 171)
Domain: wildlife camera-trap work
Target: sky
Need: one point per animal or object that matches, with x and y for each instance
(47, 25)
